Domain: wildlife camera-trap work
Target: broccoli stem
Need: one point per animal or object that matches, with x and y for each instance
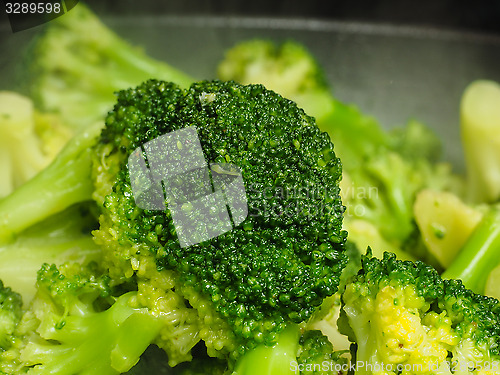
(66, 181)
(79, 63)
(480, 254)
(270, 360)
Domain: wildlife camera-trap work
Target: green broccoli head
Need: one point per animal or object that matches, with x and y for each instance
(284, 258)
(404, 317)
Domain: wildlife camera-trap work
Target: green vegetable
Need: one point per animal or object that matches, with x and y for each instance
(10, 315)
(404, 317)
(78, 63)
(240, 289)
(480, 127)
(81, 327)
(283, 259)
(445, 223)
(66, 181)
(479, 255)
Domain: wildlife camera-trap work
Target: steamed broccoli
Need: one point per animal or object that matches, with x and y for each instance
(283, 259)
(479, 254)
(10, 317)
(236, 290)
(78, 63)
(480, 127)
(405, 318)
(64, 182)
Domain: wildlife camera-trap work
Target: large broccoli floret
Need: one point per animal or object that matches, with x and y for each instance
(284, 258)
(405, 318)
(78, 63)
(82, 326)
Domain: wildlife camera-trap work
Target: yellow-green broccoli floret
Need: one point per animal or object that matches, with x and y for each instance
(404, 318)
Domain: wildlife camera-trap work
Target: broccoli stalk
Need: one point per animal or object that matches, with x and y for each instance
(295, 352)
(276, 359)
(66, 181)
(479, 255)
(78, 64)
(480, 125)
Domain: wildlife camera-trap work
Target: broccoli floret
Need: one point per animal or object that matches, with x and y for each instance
(82, 327)
(284, 258)
(29, 140)
(287, 68)
(405, 318)
(480, 124)
(316, 355)
(78, 63)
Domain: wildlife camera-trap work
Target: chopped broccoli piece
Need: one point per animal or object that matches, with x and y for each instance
(29, 140)
(405, 318)
(78, 64)
(445, 223)
(276, 359)
(309, 352)
(82, 328)
(287, 68)
(291, 259)
(316, 355)
(480, 127)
